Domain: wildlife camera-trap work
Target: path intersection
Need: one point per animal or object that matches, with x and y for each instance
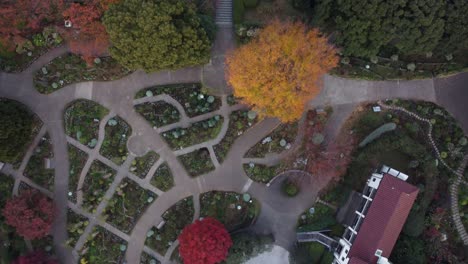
(278, 215)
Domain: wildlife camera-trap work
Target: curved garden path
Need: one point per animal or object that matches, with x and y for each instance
(278, 214)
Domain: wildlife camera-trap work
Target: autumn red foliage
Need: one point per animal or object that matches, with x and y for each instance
(36, 257)
(330, 160)
(19, 18)
(280, 70)
(87, 36)
(31, 213)
(204, 242)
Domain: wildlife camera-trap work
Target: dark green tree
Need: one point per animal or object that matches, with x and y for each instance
(409, 250)
(455, 36)
(15, 129)
(364, 26)
(156, 34)
(419, 25)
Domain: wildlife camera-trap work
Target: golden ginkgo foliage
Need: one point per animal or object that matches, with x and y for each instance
(281, 69)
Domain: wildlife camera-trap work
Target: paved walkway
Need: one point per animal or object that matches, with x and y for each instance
(278, 215)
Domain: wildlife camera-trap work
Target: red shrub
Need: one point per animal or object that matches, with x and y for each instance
(204, 242)
(36, 257)
(31, 213)
(22, 17)
(87, 37)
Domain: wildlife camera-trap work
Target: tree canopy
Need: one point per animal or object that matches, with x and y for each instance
(87, 37)
(35, 257)
(31, 213)
(280, 70)
(204, 242)
(366, 27)
(15, 131)
(156, 34)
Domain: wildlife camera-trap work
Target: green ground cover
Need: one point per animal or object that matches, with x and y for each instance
(386, 69)
(141, 165)
(114, 146)
(36, 169)
(198, 132)
(76, 225)
(77, 159)
(239, 122)
(275, 142)
(162, 178)
(229, 208)
(19, 126)
(158, 113)
(95, 185)
(70, 68)
(322, 218)
(176, 218)
(190, 95)
(82, 119)
(147, 259)
(197, 162)
(103, 247)
(246, 245)
(261, 173)
(447, 133)
(127, 204)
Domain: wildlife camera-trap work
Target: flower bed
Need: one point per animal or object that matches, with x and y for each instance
(197, 162)
(82, 119)
(114, 146)
(189, 95)
(141, 165)
(103, 247)
(280, 139)
(386, 69)
(147, 259)
(176, 218)
(70, 68)
(199, 132)
(261, 173)
(36, 169)
(162, 178)
(239, 122)
(158, 113)
(127, 204)
(75, 226)
(78, 160)
(234, 210)
(96, 183)
(322, 218)
(447, 134)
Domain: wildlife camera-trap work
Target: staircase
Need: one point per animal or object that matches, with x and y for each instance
(316, 236)
(224, 13)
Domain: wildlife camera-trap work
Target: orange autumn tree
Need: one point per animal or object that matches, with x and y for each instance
(280, 70)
